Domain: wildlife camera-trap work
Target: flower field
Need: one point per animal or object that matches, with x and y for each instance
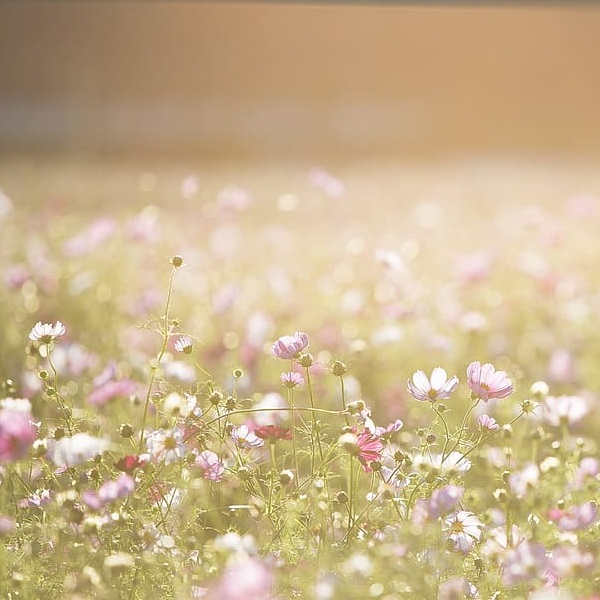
(261, 382)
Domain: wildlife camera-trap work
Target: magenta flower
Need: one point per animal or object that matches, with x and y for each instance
(437, 387)
(487, 383)
(17, 433)
(289, 346)
(364, 445)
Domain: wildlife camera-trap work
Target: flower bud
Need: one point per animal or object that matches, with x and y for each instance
(306, 360)
(338, 368)
(177, 261)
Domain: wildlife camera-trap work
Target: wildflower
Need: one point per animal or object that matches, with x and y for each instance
(109, 492)
(16, 404)
(525, 561)
(122, 388)
(17, 433)
(444, 500)
(576, 517)
(389, 429)
(245, 438)
(525, 479)
(589, 467)
(247, 579)
(184, 344)
(464, 529)
(275, 403)
(166, 445)
(178, 405)
(456, 589)
(210, 464)
(568, 560)
(129, 463)
(364, 445)
(76, 449)
(46, 333)
(437, 387)
(454, 462)
(289, 346)
(487, 383)
(565, 409)
(291, 379)
(272, 433)
(487, 423)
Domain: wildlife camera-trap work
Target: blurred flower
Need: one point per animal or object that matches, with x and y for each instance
(22, 405)
(76, 449)
(522, 481)
(90, 239)
(180, 406)
(17, 433)
(444, 500)
(122, 388)
(576, 517)
(464, 529)
(289, 346)
(190, 186)
(487, 383)
(437, 387)
(389, 429)
(457, 588)
(525, 561)
(454, 462)
(561, 366)
(327, 183)
(565, 409)
(568, 560)
(269, 410)
(589, 467)
(246, 579)
(234, 198)
(109, 491)
(45, 333)
(129, 463)
(272, 433)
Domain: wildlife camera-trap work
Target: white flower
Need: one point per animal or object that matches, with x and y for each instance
(455, 462)
(567, 409)
(16, 404)
(46, 332)
(176, 404)
(184, 344)
(76, 449)
(464, 529)
(165, 446)
(437, 387)
(245, 438)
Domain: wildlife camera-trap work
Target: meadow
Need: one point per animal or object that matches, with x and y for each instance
(369, 379)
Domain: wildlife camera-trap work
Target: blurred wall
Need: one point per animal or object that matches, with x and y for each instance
(251, 78)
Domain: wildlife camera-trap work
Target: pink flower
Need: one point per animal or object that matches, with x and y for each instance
(364, 445)
(109, 492)
(565, 409)
(487, 383)
(289, 346)
(576, 517)
(123, 388)
(444, 500)
(17, 433)
(437, 387)
(249, 579)
(487, 423)
(210, 464)
(291, 379)
(525, 561)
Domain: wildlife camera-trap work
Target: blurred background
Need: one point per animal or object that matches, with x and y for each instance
(247, 79)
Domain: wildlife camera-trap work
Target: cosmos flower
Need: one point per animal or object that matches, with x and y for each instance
(166, 445)
(17, 433)
(184, 344)
(245, 438)
(437, 387)
(76, 449)
(109, 491)
(364, 445)
(564, 409)
(487, 383)
(525, 561)
(45, 333)
(272, 433)
(289, 346)
(210, 464)
(487, 423)
(464, 529)
(291, 379)
(576, 517)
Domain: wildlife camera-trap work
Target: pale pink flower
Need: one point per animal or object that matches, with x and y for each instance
(389, 429)
(45, 333)
(289, 346)
(568, 560)
(122, 388)
(437, 387)
(291, 379)
(249, 579)
(464, 529)
(90, 239)
(210, 464)
(589, 467)
(576, 517)
(565, 409)
(487, 423)
(456, 588)
(109, 491)
(17, 433)
(487, 383)
(522, 481)
(525, 561)
(444, 500)
(561, 366)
